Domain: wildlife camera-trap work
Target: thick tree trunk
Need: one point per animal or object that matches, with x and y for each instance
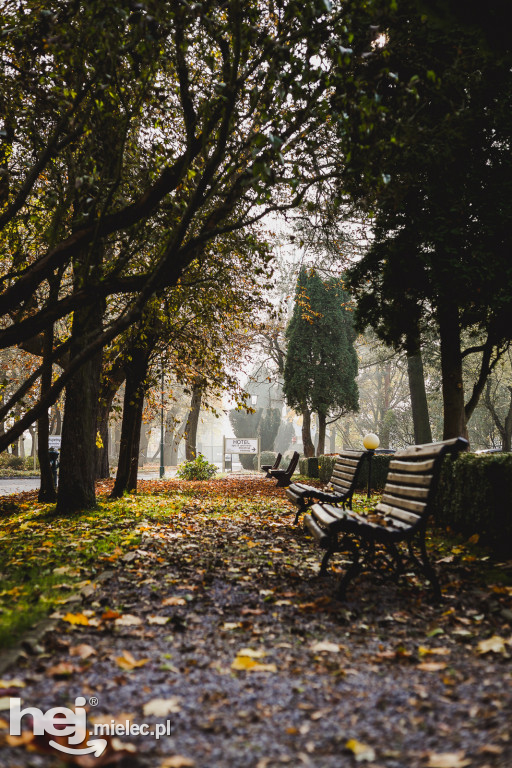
(193, 420)
(320, 448)
(307, 442)
(419, 405)
(133, 406)
(454, 417)
(77, 472)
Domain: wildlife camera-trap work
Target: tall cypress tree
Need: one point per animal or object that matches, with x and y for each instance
(321, 362)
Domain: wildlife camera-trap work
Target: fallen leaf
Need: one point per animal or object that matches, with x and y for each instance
(432, 666)
(128, 661)
(76, 618)
(14, 683)
(252, 653)
(174, 601)
(158, 619)
(447, 760)
(110, 615)
(83, 651)
(162, 707)
(177, 761)
(494, 644)
(362, 752)
(5, 703)
(64, 669)
(127, 621)
(325, 646)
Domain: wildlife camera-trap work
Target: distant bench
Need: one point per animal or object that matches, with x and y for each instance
(341, 486)
(267, 467)
(283, 476)
(401, 516)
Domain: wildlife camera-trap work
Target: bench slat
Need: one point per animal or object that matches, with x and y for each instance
(404, 477)
(407, 491)
(342, 476)
(418, 507)
(342, 485)
(313, 528)
(322, 514)
(412, 466)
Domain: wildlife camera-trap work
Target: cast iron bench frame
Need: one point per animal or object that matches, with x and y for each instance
(283, 475)
(400, 517)
(340, 488)
(267, 467)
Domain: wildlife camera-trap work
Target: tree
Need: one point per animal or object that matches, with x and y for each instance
(321, 362)
(437, 173)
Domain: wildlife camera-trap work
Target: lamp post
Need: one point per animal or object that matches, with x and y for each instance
(371, 443)
(162, 468)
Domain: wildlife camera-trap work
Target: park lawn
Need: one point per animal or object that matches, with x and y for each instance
(46, 560)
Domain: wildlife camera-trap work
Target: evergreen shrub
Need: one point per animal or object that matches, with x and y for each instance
(266, 457)
(474, 497)
(308, 466)
(325, 467)
(380, 466)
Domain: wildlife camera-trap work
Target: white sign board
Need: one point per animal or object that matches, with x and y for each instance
(54, 441)
(241, 445)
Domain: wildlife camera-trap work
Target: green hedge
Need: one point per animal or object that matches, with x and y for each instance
(475, 497)
(266, 457)
(380, 466)
(325, 467)
(309, 466)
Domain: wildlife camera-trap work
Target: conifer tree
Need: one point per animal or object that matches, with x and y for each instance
(321, 362)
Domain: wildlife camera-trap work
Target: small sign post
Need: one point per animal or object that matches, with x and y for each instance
(54, 441)
(244, 445)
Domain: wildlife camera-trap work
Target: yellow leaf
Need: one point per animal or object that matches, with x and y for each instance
(162, 707)
(76, 618)
(177, 761)
(435, 651)
(252, 653)
(447, 760)
(128, 661)
(494, 644)
(14, 683)
(362, 752)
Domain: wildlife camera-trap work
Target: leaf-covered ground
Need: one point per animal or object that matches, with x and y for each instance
(200, 604)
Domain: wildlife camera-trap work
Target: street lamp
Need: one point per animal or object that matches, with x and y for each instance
(371, 443)
(162, 468)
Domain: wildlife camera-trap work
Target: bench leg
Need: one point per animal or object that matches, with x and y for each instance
(353, 569)
(426, 566)
(302, 508)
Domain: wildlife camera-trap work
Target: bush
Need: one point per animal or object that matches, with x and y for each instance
(197, 469)
(266, 457)
(308, 466)
(28, 463)
(325, 467)
(380, 466)
(9, 461)
(474, 495)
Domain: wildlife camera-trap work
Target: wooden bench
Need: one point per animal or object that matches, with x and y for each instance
(267, 467)
(340, 488)
(400, 517)
(283, 475)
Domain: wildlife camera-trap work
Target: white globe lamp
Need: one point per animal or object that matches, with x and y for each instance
(371, 441)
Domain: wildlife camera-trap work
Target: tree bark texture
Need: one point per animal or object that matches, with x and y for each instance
(47, 490)
(419, 404)
(320, 449)
(454, 417)
(193, 420)
(135, 388)
(309, 448)
(78, 447)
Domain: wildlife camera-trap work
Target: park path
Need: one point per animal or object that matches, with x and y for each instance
(226, 633)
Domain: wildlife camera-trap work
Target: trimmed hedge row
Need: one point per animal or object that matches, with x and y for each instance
(309, 466)
(475, 497)
(474, 494)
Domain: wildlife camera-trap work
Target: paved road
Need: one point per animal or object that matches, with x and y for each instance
(10, 485)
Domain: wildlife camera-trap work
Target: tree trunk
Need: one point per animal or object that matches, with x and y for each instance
(47, 491)
(309, 448)
(109, 389)
(419, 405)
(133, 406)
(78, 447)
(320, 448)
(193, 420)
(454, 418)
